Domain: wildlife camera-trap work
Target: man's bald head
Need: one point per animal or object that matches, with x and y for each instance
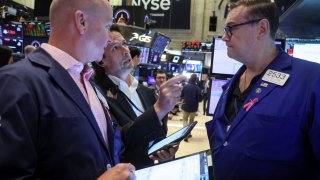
(62, 12)
(80, 28)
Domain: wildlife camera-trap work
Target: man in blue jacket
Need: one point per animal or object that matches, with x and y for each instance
(52, 124)
(267, 122)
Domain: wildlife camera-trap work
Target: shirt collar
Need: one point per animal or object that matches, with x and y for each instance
(67, 61)
(122, 84)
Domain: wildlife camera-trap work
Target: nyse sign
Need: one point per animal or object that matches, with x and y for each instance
(172, 14)
(154, 4)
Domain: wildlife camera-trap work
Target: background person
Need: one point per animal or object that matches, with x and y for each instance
(191, 96)
(5, 56)
(266, 124)
(29, 49)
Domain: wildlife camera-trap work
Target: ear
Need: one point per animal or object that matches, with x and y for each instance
(80, 21)
(264, 28)
(100, 63)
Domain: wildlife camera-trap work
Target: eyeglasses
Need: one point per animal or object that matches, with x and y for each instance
(228, 29)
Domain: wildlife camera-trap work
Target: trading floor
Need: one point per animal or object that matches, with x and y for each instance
(199, 140)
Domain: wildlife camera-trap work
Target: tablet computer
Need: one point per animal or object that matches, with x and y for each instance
(172, 140)
(194, 166)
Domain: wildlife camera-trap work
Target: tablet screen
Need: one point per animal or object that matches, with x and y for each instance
(172, 138)
(189, 167)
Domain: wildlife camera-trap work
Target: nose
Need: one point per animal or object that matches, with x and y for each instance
(225, 37)
(126, 51)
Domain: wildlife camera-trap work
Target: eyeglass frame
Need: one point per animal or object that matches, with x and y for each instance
(228, 29)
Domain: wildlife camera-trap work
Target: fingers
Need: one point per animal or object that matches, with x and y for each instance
(174, 80)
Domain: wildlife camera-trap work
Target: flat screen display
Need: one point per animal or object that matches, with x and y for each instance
(159, 42)
(191, 46)
(215, 94)
(220, 61)
(34, 29)
(16, 44)
(193, 66)
(171, 58)
(144, 54)
(206, 46)
(222, 64)
(12, 30)
(151, 80)
(307, 49)
(194, 166)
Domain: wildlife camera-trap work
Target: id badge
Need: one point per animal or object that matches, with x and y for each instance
(275, 77)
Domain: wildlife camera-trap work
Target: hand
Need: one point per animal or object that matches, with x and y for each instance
(169, 95)
(122, 171)
(165, 155)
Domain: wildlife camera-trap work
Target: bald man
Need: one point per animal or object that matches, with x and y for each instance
(52, 124)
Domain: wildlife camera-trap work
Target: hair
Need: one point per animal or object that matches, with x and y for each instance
(115, 28)
(134, 51)
(193, 79)
(5, 55)
(261, 9)
(28, 49)
(158, 72)
(99, 72)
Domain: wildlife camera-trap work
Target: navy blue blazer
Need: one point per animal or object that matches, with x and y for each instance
(47, 128)
(278, 137)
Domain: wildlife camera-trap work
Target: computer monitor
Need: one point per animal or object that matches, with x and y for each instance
(159, 42)
(191, 46)
(144, 54)
(215, 94)
(34, 29)
(220, 61)
(194, 66)
(307, 49)
(206, 46)
(222, 64)
(15, 44)
(12, 30)
(171, 58)
(35, 41)
(12, 36)
(194, 166)
(151, 80)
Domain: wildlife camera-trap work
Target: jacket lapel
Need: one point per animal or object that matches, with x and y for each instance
(259, 91)
(67, 84)
(120, 99)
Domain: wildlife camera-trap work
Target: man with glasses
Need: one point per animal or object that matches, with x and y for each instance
(267, 122)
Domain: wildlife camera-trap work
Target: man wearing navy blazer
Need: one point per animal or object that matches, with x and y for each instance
(49, 113)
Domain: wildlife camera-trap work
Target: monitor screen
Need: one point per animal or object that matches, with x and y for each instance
(191, 46)
(206, 46)
(159, 42)
(16, 44)
(34, 41)
(193, 166)
(215, 93)
(193, 66)
(144, 54)
(307, 49)
(151, 80)
(171, 58)
(222, 64)
(220, 61)
(34, 29)
(12, 30)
